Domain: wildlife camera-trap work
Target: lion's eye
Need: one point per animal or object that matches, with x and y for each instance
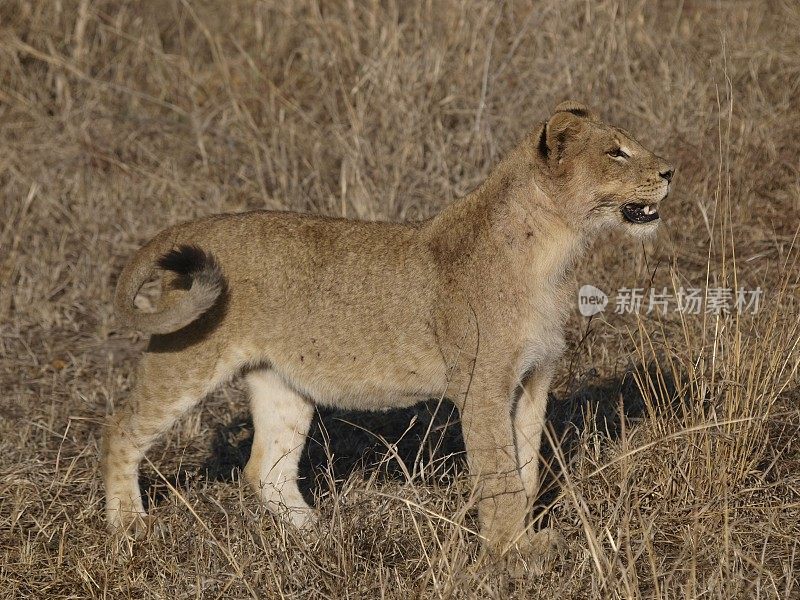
(618, 153)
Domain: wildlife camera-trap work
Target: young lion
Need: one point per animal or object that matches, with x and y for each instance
(469, 305)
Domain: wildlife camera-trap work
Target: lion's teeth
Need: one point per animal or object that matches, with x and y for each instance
(649, 210)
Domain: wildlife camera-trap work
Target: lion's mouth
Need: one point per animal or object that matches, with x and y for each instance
(635, 212)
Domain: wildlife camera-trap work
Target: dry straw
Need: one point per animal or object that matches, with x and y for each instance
(679, 478)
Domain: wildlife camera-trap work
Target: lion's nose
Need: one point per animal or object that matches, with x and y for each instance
(667, 174)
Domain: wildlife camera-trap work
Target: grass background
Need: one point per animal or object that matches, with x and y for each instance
(677, 473)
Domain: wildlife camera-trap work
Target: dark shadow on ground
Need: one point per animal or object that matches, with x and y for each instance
(342, 442)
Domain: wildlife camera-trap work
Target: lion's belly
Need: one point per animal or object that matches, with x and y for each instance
(374, 381)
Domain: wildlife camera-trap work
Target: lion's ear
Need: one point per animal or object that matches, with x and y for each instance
(566, 122)
(557, 133)
(576, 108)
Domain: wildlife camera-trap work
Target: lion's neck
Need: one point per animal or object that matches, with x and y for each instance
(510, 216)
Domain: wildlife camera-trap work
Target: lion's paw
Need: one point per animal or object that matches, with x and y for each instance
(536, 553)
(132, 525)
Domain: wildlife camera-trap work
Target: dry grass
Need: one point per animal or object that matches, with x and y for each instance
(119, 117)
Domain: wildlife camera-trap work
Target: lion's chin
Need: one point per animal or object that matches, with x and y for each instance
(642, 230)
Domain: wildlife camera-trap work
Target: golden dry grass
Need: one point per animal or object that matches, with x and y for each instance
(118, 118)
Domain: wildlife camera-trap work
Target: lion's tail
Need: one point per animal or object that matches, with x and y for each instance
(200, 268)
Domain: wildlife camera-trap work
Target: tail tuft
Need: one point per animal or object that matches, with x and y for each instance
(188, 260)
(207, 281)
(200, 267)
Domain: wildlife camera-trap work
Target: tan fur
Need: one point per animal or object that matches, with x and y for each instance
(470, 304)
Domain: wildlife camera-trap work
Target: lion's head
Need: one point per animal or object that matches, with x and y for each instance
(599, 175)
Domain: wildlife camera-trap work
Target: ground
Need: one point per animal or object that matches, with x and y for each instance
(674, 464)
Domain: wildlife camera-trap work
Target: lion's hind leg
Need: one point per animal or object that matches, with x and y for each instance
(281, 418)
(167, 386)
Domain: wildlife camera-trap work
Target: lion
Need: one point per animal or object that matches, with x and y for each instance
(469, 305)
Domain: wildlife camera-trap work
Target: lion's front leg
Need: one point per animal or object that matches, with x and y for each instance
(529, 421)
(544, 546)
(489, 440)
